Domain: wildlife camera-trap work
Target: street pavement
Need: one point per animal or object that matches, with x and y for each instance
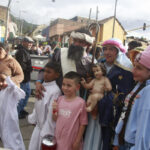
(25, 127)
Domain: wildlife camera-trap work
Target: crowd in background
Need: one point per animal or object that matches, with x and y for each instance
(69, 103)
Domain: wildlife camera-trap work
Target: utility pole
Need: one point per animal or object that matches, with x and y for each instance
(114, 18)
(97, 11)
(7, 17)
(21, 21)
(89, 17)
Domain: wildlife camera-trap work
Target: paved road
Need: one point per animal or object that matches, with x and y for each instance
(26, 128)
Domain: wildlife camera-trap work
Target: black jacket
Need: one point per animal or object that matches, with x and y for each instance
(24, 59)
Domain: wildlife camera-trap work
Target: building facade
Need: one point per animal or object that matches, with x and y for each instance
(60, 29)
(3, 20)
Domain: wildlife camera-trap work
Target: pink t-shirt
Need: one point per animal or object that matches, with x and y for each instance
(71, 114)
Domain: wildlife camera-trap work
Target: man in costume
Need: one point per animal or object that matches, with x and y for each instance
(118, 68)
(73, 58)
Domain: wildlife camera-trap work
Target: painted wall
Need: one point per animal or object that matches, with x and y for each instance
(2, 33)
(108, 28)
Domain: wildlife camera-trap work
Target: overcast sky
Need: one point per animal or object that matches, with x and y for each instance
(131, 13)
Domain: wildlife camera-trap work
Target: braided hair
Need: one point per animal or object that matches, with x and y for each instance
(122, 133)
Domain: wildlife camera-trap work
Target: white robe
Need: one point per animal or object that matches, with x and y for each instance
(9, 125)
(42, 115)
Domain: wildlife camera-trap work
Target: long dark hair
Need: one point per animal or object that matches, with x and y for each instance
(122, 133)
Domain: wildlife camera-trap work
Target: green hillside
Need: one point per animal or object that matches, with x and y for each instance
(27, 27)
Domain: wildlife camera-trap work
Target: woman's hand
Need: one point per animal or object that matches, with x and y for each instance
(39, 90)
(3, 83)
(2, 77)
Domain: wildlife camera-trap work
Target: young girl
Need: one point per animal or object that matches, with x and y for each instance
(70, 113)
(99, 85)
(42, 113)
(132, 131)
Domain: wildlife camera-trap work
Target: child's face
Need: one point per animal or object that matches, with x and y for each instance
(140, 73)
(50, 74)
(97, 72)
(69, 87)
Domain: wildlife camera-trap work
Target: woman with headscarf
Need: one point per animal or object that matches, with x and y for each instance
(118, 68)
(132, 130)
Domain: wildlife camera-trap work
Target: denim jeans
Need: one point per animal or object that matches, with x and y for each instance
(23, 102)
(126, 146)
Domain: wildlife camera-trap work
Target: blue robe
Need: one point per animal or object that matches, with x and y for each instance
(138, 126)
(93, 138)
(122, 83)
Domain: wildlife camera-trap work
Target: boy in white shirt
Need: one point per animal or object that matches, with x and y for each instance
(42, 113)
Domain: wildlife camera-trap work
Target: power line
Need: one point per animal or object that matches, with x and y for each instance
(138, 28)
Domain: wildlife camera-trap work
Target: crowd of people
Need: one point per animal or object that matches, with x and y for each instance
(86, 105)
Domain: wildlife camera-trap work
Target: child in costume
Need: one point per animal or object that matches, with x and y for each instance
(99, 85)
(42, 113)
(70, 114)
(132, 130)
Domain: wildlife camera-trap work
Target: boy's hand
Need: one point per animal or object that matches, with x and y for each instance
(55, 110)
(76, 146)
(39, 90)
(55, 107)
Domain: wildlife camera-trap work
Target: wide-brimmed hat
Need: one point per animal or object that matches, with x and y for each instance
(116, 43)
(134, 52)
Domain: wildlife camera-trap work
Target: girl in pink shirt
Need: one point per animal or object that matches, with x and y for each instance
(70, 114)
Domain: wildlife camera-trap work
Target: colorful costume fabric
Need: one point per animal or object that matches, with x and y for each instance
(122, 82)
(138, 125)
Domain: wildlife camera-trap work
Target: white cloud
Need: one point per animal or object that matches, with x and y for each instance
(131, 13)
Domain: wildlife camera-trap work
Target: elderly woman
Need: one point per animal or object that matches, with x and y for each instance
(9, 67)
(118, 68)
